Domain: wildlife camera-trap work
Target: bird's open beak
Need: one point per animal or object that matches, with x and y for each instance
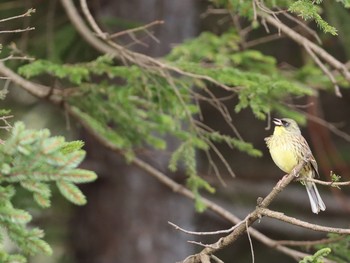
(277, 122)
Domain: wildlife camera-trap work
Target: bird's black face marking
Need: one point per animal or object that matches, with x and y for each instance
(285, 123)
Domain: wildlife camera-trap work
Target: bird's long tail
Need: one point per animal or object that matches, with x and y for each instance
(316, 201)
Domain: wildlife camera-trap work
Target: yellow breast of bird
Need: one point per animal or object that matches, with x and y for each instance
(283, 153)
(284, 158)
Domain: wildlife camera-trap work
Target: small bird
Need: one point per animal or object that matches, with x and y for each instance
(288, 148)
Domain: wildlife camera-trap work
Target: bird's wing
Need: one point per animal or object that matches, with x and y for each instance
(307, 155)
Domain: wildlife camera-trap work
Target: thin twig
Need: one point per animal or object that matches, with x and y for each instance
(136, 29)
(137, 41)
(328, 125)
(91, 20)
(7, 126)
(255, 16)
(12, 57)
(291, 220)
(213, 165)
(17, 30)
(201, 244)
(27, 13)
(304, 41)
(327, 183)
(151, 35)
(250, 241)
(221, 157)
(218, 232)
(309, 243)
(324, 69)
(263, 40)
(301, 24)
(37, 90)
(214, 11)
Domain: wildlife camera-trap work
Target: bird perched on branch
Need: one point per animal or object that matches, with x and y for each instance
(288, 148)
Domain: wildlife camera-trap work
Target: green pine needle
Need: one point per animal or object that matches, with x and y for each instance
(71, 192)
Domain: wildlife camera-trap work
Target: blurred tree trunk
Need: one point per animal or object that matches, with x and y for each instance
(127, 212)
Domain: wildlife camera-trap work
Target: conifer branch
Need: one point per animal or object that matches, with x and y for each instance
(177, 188)
(33, 159)
(332, 61)
(37, 90)
(324, 69)
(173, 185)
(110, 47)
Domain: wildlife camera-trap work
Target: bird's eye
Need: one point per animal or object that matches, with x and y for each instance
(285, 123)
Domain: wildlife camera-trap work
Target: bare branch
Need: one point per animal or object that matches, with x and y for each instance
(304, 41)
(251, 218)
(225, 231)
(17, 30)
(214, 11)
(221, 157)
(334, 184)
(263, 40)
(91, 20)
(250, 241)
(302, 25)
(29, 12)
(297, 222)
(309, 243)
(110, 47)
(11, 57)
(328, 125)
(200, 244)
(7, 126)
(133, 30)
(324, 69)
(37, 90)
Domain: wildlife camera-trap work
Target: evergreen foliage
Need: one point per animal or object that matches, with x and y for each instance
(317, 257)
(346, 3)
(261, 84)
(134, 107)
(33, 160)
(309, 10)
(340, 248)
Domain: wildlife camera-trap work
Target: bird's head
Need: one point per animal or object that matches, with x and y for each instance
(286, 126)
